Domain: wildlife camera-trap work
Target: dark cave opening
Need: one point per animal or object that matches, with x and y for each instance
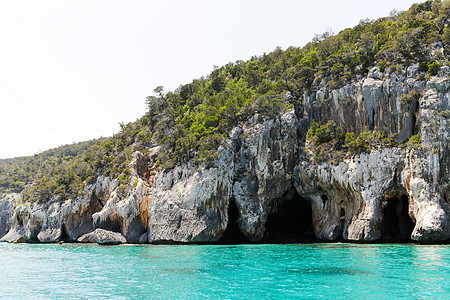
(233, 234)
(342, 218)
(64, 235)
(397, 225)
(290, 222)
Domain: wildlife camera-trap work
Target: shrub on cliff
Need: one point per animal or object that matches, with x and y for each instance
(410, 97)
(414, 142)
(332, 143)
(367, 141)
(329, 132)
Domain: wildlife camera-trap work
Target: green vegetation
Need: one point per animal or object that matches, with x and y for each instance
(191, 122)
(414, 142)
(431, 67)
(445, 113)
(331, 142)
(55, 171)
(412, 96)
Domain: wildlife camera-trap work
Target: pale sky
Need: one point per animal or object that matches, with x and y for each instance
(71, 71)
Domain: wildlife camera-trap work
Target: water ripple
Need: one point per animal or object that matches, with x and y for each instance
(76, 271)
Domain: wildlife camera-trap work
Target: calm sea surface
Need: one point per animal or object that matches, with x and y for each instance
(74, 271)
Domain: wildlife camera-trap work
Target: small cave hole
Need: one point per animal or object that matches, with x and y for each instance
(96, 203)
(291, 222)
(397, 225)
(64, 235)
(342, 218)
(19, 221)
(324, 199)
(233, 234)
(372, 126)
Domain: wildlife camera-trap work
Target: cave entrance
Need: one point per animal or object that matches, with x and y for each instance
(290, 221)
(397, 225)
(233, 234)
(64, 235)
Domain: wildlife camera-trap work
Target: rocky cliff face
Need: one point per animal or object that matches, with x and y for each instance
(397, 193)
(267, 186)
(126, 210)
(352, 198)
(56, 221)
(7, 205)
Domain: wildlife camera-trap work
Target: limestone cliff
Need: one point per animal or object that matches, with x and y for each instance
(56, 221)
(266, 185)
(350, 198)
(390, 193)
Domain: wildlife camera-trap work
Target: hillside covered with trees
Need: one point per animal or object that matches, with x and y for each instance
(192, 121)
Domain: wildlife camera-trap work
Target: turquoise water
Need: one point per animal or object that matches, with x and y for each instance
(75, 271)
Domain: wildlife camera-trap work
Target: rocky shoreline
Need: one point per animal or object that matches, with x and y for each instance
(265, 184)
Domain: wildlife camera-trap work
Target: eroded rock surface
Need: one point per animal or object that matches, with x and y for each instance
(56, 221)
(87, 238)
(265, 156)
(105, 237)
(102, 237)
(190, 205)
(126, 210)
(7, 204)
(357, 190)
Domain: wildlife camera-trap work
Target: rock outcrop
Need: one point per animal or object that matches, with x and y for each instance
(56, 221)
(7, 204)
(264, 159)
(126, 210)
(102, 237)
(87, 238)
(105, 237)
(189, 204)
(358, 190)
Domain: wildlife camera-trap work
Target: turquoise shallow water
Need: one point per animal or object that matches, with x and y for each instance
(74, 271)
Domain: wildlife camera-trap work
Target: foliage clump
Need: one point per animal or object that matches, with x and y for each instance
(332, 143)
(410, 97)
(414, 142)
(56, 171)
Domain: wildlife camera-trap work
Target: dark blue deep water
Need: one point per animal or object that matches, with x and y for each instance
(75, 271)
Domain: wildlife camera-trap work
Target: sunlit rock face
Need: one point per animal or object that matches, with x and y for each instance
(266, 186)
(58, 221)
(350, 199)
(7, 204)
(189, 205)
(254, 168)
(126, 210)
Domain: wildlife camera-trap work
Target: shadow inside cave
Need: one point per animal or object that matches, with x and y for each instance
(290, 221)
(233, 234)
(397, 225)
